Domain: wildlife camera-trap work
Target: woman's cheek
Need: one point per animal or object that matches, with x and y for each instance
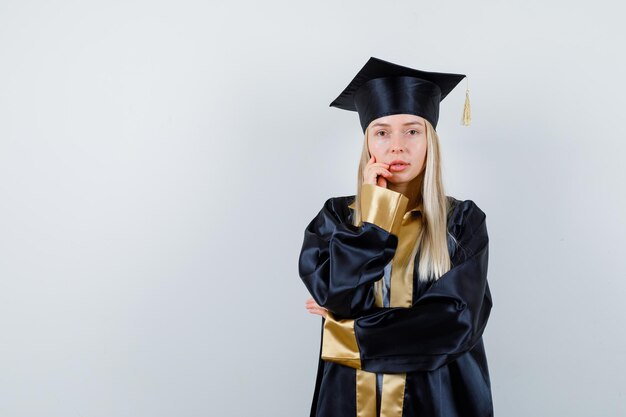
(377, 149)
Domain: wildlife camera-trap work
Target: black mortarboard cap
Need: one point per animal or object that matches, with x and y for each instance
(382, 88)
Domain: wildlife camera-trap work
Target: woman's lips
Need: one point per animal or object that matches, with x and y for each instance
(397, 167)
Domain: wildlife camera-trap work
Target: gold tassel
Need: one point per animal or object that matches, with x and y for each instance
(466, 120)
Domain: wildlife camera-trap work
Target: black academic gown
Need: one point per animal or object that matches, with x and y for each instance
(437, 342)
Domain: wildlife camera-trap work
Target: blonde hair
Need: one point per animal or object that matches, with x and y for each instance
(432, 241)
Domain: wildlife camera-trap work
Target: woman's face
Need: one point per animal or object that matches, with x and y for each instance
(399, 137)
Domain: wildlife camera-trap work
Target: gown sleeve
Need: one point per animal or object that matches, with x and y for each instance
(446, 321)
(340, 262)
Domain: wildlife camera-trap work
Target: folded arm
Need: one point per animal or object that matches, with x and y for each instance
(445, 322)
(340, 262)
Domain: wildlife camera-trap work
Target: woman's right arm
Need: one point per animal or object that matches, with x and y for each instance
(340, 262)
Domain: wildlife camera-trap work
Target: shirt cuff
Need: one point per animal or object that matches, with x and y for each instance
(339, 343)
(383, 207)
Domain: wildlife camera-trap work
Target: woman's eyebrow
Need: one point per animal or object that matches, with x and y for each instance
(404, 124)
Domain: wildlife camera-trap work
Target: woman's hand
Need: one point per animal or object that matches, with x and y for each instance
(376, 173)
(314, 308)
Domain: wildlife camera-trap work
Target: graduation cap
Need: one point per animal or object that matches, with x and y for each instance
(382, 88)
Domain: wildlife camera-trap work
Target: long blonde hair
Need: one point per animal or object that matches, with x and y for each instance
(432, 242)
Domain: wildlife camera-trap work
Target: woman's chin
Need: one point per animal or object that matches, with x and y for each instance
(402, 177)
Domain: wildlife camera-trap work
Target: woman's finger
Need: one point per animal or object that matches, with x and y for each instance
(374, 174)
(316, 307)
(318, 312)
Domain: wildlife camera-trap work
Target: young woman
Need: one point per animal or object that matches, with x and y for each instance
(398, 271)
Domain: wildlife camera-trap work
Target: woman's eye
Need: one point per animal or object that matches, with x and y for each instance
(415, 131)
(379, 132)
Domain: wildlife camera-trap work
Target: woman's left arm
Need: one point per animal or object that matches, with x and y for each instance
(445, 322)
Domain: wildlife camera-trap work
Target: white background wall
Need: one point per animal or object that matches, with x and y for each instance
(160, 160)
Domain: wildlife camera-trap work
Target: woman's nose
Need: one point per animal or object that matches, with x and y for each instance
(396, 143)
